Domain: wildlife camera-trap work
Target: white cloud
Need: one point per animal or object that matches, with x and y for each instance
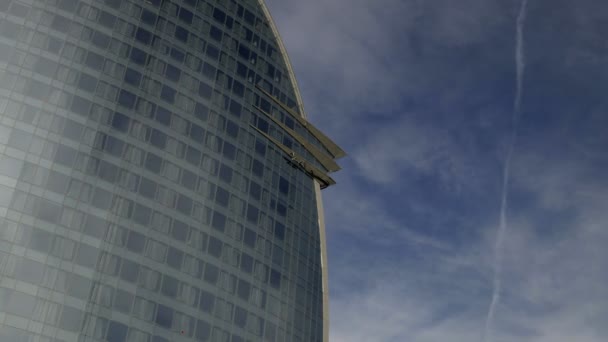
(358, 62)
(405, 145)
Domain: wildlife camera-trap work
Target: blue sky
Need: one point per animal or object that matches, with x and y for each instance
(420, 94)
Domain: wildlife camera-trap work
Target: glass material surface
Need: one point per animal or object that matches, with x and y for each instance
(137, 203)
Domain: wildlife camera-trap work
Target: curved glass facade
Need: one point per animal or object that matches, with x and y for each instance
(146, 192)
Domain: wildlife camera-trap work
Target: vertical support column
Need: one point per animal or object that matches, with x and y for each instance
(324, 266)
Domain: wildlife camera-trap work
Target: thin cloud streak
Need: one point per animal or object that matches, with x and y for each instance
(503, 225)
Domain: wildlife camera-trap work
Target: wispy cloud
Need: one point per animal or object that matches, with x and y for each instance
(503, 223)
(420, 93)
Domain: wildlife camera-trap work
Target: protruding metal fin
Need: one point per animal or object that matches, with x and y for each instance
(331, 146)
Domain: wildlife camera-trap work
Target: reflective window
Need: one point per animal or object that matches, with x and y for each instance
(132, 77)
(116, 332)
(148, 17)
(164, 316)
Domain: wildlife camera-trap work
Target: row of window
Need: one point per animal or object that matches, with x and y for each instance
(158, 139)
(126, 179)
(136, 242)
(138, 213)
(127, 99)
(156, 89)
(186, 16)
(168, 197)
(109, 20)
(100, 198)
(181, 232)
(241, 68)
(75, 320)
(147, 38)
(132, 241)
(41, 241)
(77, 286)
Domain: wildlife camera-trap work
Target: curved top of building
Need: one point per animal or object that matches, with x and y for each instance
(158, 179)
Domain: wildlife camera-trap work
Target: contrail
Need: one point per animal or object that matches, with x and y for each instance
(520, 64)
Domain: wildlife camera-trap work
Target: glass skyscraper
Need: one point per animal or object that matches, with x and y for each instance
(159, 181)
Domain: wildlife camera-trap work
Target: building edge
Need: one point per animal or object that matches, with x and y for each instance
(281, 46)
(319, 197)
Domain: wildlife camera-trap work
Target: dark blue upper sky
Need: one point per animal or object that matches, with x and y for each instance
(420, 94)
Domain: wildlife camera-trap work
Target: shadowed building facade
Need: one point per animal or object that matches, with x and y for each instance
(158, 179)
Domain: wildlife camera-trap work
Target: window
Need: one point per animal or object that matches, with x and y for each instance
(148, 17)
(246, 263)
(186, 16)
(102, 199)
(101, 40)
(168, 94)
(164, 317)
(212, 273)
(126, 99)
(201, 111)
(143, 309)
(138, 56)
(222, 196)
(156, 250)
(172, 73)
(120, 122)
(184, 205)
(132, 77)
(283, 185)
(175, 258)
(244, 290)
(117, 332)
(279, 231)
(94, 61)
(193, 155)
(129, 271)
(148, 279)
(169, 287)
(219, 223)
(71, 319)
(209, 71)
(250, 238)
(205, 90)
(203, 330)
(163, 116)
(87, 255)
(240, 317)
(153, 163)
(181, 34)
(253, 214)
(123, 301)
(216, 33)
(212, 52)
(143, 36)
(178, 55)
(147, 188)
(188, 179)
(158, 139)
(29, 271)
(136, 242)
(106, 19)
(219, 15)
(275, 279)
(255, 190)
